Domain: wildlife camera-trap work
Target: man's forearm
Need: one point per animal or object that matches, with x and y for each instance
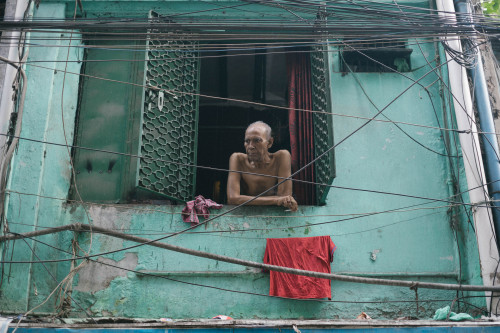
(260, 201)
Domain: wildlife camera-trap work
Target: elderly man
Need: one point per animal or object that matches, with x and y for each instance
(242, 187)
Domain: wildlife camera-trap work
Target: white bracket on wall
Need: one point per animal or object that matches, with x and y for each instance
(161, 98)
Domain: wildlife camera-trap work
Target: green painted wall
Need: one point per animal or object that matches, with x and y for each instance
(418, 240)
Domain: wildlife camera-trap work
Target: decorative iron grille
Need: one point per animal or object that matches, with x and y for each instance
(170, 118)
(323, 126)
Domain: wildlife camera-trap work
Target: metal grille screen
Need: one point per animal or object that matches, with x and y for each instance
(323, 127)
(169, 128)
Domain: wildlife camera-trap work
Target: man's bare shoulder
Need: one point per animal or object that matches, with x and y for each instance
(238, 158)
(282, 154)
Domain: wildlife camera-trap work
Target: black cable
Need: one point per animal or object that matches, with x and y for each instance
(375, 12)
(316, 111)
(5, 249)
(415, 82)
(53, 277)
(361, 126)
(185, 230)
(375, 106)
(246, 292)
(241, 172)
(453, 175)
(205, 50)
(302, 168)
(265, 27)
(484, 138)
(467, 48)
(280, 107)
(207, 232)
(231, 231)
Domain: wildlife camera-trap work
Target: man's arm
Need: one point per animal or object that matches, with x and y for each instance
(284, 171)
(234, 196)
(233, 181)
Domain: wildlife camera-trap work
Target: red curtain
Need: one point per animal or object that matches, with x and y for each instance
(301, 124)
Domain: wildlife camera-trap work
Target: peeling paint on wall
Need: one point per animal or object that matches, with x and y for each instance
(373, 255)
(95, 276)
(111, 218)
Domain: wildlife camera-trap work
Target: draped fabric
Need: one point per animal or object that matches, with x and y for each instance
(301, 125)
(306, 253)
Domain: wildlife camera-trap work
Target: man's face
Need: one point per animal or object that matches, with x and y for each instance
(256, 143)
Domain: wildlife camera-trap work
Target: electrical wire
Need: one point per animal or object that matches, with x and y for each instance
(288, 228)
(277, 268)
(246, 292)
(280, 107)
(141, 209)
(385, 116)
(219, 233)
(183, 231)
(453, 174)
(53, 278)
(282, 179)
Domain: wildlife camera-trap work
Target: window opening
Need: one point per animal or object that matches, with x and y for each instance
(393, 54)
(263, 77)
(259, 77)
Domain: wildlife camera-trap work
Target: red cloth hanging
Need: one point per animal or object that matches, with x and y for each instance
(306, 253)
(301, 125)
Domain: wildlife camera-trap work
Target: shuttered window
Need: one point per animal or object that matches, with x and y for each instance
(170, 118)
(107, 120)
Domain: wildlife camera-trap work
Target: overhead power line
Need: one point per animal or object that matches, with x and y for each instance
(143, 273)
(241, 172)
(247, 263)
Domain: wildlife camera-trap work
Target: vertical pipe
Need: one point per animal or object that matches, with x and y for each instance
(472, 159)
(490, 143)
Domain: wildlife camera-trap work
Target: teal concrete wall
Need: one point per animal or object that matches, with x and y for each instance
(425, 241)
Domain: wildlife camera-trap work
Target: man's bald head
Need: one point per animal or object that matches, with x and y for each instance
(262, 124)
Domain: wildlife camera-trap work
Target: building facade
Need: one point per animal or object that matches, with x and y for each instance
(134, 107)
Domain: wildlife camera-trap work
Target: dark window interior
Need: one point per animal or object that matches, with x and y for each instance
(2, 10)
(257, 77)
(393, 54)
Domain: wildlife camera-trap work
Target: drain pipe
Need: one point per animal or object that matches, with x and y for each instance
(490, 142)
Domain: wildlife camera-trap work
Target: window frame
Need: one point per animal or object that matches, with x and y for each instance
(323, 134)
(374, 56)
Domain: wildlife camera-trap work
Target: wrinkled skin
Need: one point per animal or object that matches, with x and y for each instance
(242, 187)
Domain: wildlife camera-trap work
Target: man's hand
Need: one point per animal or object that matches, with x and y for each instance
(288, 202)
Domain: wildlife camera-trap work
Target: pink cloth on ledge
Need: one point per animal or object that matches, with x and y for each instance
(198, 206)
